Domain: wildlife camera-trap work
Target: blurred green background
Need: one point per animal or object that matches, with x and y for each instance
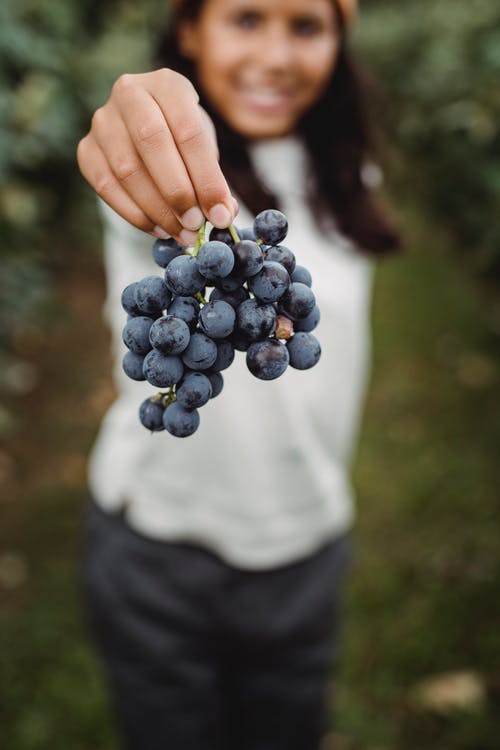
(421, 665)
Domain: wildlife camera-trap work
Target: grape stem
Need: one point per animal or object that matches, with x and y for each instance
(166, 398)
(234, 233)
(200, 239)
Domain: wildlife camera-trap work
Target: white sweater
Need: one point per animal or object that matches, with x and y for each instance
(264, 481)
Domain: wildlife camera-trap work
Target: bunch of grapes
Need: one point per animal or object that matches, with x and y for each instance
(261, 303)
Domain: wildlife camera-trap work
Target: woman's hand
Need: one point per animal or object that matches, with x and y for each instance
(151, 154)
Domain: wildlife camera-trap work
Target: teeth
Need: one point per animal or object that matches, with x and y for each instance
(266, 95)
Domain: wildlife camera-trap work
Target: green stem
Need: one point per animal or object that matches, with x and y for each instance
(234, 233)
(200, 240)
(201, 299)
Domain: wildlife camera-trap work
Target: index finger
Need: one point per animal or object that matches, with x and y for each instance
(194, 139)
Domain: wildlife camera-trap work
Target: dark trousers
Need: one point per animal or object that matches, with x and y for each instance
(203, 656)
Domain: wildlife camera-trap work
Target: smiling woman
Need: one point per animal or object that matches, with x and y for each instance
(214, 570)
(262, 66)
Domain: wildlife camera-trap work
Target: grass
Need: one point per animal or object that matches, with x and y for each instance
(424, 589)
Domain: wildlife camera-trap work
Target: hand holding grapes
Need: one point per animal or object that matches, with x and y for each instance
(151, 154)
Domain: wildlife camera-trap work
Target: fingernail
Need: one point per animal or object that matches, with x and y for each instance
(192, 219)
(219, 216)
(236, 207)
(187, 238)
(160, 233)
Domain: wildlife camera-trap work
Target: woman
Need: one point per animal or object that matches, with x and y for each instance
(214, 565)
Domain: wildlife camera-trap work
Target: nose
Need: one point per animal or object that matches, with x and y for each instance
(276, 48)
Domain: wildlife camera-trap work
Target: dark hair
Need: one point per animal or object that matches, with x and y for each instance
(337, 138)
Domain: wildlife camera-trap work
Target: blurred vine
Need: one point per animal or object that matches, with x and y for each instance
(439, 65)
(438, 62)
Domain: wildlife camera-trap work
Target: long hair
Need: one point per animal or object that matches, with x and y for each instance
(335, 133)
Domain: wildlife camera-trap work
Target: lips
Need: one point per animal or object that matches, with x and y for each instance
(265, 98)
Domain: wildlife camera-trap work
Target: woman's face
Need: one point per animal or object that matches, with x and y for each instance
(263, 63)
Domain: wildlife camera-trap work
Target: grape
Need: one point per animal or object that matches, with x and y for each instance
(166, 250)
(231, 282)
(301, 274)
(182, 276)
(267, 359)
(247, 234)
(194, 391)
(270, 283)
(169, 334)
(217, 319)
(308, 324)
(215, 260)
(128, 299)
(180, 422)
(261, 304)
(222, 235)
(187, 309)
(270, 226)
(132, 365)
(151, 414)
(152, 295)
(248, 258)
(239, 341)
(216, 381)
(304, 350)
(283, 255)
(136, 334)
(162, 370)
(235, 298)
(201, 352)
(298, 302)
(225, 355)
(255, 321)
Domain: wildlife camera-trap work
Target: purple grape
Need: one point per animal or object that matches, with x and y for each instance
(136, 334)
(304, 350)
(222, 235)
(166, 250)
(283, 255)
(231, 282)
(217, 383)
(235, 298)
(217, 319)
(182, 276)
(255, 320)
(128, 300)
(215, 260)
(132, 364)
(152, 295)
(270, 283)
(201, 352)
(225, 355)
(151, 414)
(180, 422)
(301, 274)
(187, 309)
(239, 341)
(169, 334)
(298, 302)
(162, 370)
(247, 234)
(248, 258)
(194, 391)
(267, 359)
(308, 324)
(270, 226)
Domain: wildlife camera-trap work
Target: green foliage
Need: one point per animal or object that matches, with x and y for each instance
(58, 59)
(439, 61)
